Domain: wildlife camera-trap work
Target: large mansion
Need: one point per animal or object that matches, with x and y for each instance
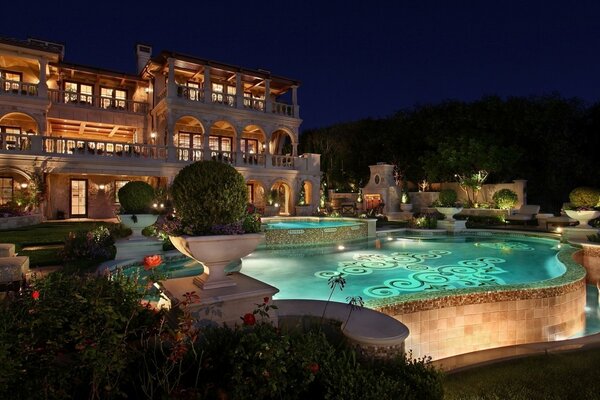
(87, 131)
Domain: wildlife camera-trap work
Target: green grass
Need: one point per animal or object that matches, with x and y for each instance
(573, 375)
(47, 233)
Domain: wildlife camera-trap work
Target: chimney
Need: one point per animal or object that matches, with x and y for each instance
(143, 54)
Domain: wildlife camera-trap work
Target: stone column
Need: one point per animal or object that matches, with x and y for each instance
(239, 91)
(171, 85)
(268, 106)
(268, 162)
(171, 150)
(207, 85)
(295, 101)
(238, 146)
(521, 190)
(205, 141)
(43, 85)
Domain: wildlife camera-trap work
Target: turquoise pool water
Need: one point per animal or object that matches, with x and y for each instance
(399, 265)
(308, 224)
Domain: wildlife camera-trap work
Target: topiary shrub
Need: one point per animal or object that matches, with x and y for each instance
(207, 194)
(505, 199)
(136, 197)
(585, 197)
(447, 198)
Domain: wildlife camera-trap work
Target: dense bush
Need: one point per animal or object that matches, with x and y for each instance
(136, 197)
(73, 337)
(94, 245)
(68, 336)
(424, 221)
(585, 197)
(447, 198)
(505, 199)
(208, 193)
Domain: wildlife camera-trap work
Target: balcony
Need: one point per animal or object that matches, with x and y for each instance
(231, 101)
(18, 88)
(88, 100)
(74, 148)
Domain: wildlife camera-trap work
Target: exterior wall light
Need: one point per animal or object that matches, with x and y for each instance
(101, 186)
(24, 185)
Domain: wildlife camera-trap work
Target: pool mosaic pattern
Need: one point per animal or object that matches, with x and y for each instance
(311, 231)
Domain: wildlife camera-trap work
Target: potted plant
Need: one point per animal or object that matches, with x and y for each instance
(136, 198)
(405, 204)
(583, 206)
(447, 204)
(213, 224)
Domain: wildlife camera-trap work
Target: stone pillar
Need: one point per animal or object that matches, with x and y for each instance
(295, 149)
(238, 146)
(239, 91)
(171, 85)
(521, 190)
(171, 150)
(267, 152)
(207, 85)
(205, 141)
(295, 101)
(268, 107)
(43, 85)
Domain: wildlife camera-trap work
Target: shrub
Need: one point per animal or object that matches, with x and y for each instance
(585, 197)
(505, 199)
(136, 197)
(424, 221)
(207, 194)
(447, 198)
(67, 337)
(96, 244)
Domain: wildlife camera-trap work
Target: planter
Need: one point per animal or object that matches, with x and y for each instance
(215, 253)
(271, 211)
(406, 207)
(143, 220)
(449, 212)
(303, 211)
(583, 217)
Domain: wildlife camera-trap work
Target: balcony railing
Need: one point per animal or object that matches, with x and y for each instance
(230, 100)
(18, 88)
(88, 100)
(35, 145)
(283, 109)
(96, 148)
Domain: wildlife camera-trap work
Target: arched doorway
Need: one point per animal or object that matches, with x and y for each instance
(188, 139)
(284, 197)
(221, 142)
(253, 145)
(281, 143)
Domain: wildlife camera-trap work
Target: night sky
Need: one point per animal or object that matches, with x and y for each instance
(354, 59)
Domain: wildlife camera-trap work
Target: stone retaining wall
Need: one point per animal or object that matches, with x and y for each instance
(17, 222)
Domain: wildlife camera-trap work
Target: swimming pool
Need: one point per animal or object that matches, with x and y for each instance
(456, 294)
(398, 266)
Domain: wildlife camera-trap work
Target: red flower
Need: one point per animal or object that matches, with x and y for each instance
(35, 294)
(266, 300)
(249, 319)
(151, 262)
(313, 368)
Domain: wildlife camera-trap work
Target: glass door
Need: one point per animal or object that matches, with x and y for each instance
(78, 198)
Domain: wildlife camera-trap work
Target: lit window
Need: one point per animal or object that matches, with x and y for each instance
(12, 80)
(217, 93)
(78, 93)
(113, 98)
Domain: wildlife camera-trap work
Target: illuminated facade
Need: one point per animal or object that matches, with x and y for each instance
(90, 130)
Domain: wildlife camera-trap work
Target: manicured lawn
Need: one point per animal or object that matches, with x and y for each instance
(553, 376)
(44, 234)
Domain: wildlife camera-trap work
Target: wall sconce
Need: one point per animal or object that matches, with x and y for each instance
(153, 137)
(101, 187)
(24, 185)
